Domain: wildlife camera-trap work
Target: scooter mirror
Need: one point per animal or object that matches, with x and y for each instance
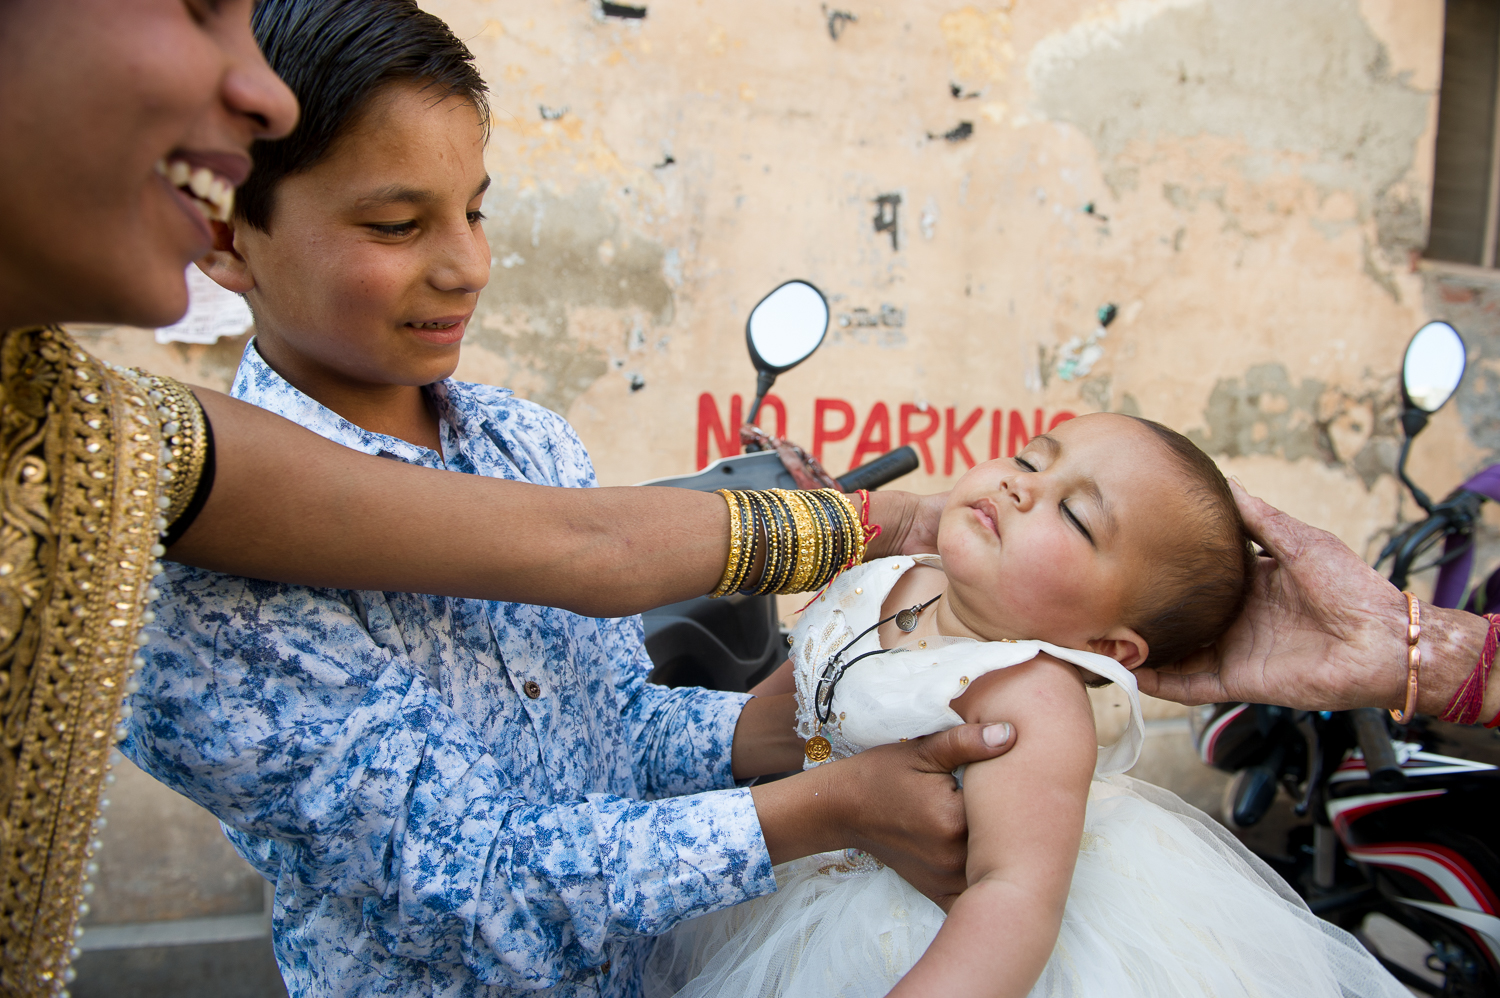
(1434, 366)
(782, 332)
(786, 327)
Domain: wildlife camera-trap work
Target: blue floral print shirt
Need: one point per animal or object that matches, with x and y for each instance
(453, 797)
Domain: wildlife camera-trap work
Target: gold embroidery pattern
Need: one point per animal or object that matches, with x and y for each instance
(82, 497)
(186, 432)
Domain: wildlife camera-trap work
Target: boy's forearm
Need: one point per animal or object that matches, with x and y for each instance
(995, 942)
(783, 680)
(801, 815)
(765, 739)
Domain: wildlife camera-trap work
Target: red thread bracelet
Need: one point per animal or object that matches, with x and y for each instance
(1469, 699)
(870, 533)
(866, 530)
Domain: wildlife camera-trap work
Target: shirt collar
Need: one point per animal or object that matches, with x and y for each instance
(255, 382)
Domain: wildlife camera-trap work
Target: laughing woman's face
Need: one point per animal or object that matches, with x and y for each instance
(123, 126)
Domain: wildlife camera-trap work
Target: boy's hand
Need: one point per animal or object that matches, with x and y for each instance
(901, 804)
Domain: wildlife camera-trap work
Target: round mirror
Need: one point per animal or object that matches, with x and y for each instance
(1434, 366)
(787, 326)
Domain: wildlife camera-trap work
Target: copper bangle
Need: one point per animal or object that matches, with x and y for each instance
(1413, 658)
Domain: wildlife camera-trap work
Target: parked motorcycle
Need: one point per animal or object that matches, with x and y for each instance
(1405, 826)
(733, 642)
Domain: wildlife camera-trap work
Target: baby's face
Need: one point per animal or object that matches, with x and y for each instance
(1054, 544)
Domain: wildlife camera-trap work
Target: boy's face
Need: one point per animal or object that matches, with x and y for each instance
(1055, 543)
(375, 257)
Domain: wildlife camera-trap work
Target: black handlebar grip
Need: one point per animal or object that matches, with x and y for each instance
(885, 468)
(1386, 774)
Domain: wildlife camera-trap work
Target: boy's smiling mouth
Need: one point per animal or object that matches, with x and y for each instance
(442, 331)
(207, 190)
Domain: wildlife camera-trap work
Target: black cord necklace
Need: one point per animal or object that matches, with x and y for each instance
(817, 748)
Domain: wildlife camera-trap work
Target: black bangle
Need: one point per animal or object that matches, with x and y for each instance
(195, 505)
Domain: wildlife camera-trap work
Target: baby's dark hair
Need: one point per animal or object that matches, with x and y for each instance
(1202, 576)
(336, 55)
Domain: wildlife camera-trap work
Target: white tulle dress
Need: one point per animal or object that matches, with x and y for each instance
(1164, 901)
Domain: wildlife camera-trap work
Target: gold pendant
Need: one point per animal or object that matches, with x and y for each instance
(817, 749)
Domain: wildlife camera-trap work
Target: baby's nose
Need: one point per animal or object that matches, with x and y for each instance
(1016, 491)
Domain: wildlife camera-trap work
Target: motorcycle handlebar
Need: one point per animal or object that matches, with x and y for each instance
(885, 468)
(1386, 774)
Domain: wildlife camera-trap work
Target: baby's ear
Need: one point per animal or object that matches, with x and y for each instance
(224, 264)
(1124, 646)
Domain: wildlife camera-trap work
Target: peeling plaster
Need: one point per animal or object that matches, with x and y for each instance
(1228, 68)
(1264, 413)
(571, 286)
(1470, 300)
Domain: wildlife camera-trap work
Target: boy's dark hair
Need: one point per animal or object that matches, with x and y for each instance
(335, 55)
(1204, 576)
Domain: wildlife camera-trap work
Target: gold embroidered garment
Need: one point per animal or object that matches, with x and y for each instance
(97, 462)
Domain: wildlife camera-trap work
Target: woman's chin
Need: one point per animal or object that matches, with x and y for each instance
(150, 303)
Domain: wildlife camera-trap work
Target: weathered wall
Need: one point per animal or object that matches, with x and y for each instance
(1247, 183)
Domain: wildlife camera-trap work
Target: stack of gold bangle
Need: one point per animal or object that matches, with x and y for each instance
(809, 537)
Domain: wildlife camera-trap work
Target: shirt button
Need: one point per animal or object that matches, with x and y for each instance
(604, 967)
(533, 688)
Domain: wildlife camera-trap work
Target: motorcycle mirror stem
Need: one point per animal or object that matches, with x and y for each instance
(1430, 374)
(763, 383)
(783, 330)
(1412, 428)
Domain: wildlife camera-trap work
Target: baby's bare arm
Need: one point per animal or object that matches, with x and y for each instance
(1025, 812)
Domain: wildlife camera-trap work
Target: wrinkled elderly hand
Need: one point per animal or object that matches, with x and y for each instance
(1323, 630)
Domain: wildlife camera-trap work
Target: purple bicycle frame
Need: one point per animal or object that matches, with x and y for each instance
(1453, 578)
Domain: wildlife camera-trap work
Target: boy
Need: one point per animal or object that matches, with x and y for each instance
(449, 794)
(359, 745)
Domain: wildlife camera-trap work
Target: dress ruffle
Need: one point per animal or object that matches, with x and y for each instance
(1164, 902)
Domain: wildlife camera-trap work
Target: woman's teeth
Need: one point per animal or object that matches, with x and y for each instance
(432, 325)
(211, 194)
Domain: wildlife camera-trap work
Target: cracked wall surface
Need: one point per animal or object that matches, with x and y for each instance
(572, 293)
(1289, 78)
(1247, 185)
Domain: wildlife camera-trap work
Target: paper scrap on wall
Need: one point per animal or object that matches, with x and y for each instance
(212, 313)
